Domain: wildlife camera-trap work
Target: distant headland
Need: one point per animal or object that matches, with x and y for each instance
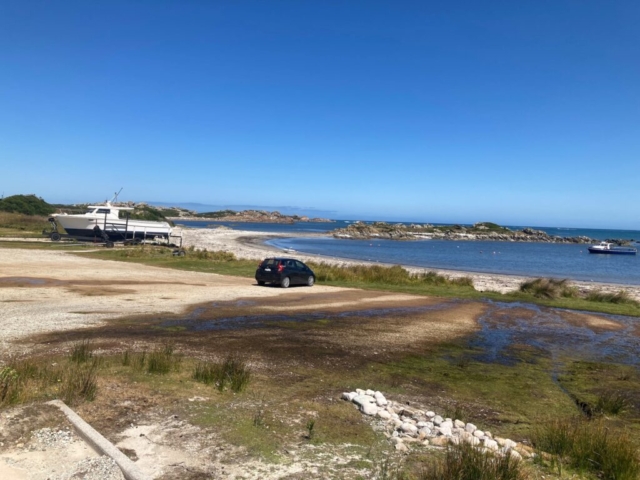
(480, 231)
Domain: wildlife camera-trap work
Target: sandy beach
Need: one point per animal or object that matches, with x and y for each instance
(250, 245)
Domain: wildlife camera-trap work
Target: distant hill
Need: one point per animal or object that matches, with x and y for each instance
(26, 204)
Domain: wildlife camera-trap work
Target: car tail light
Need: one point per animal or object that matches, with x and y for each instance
(280, 267)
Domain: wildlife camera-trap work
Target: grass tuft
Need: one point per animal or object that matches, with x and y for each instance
(232, 373)
(377, 274)
(79, 383)
(612, 403)
(162, 360)
(549, 288)
(590, 447)
(82, 352)
(620, 297)
(465, 462)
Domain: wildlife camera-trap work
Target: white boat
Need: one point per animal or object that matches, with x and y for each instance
(106, 219)
(609, 248)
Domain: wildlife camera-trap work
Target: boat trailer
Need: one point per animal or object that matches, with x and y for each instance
(126, 237)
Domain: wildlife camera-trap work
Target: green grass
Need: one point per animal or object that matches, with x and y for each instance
(464, 462)
(21, 225)
(232, 373)
(393, 279)
(590, 447)
(549, 288)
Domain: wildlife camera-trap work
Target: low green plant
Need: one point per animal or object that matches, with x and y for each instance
(82, 351)
(79, 382)
(465, 462)
(611, 403)
(9, 385)
(590, 446)
(395, 275)
(311, 423)
(232, 373)
(549, 288)
(162, 360)
(620, 297)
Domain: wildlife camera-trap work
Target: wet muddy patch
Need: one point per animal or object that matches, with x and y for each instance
(509, 330)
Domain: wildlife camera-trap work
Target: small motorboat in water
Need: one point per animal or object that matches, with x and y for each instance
(604, 247)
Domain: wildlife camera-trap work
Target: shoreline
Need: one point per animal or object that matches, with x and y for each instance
(250, 245)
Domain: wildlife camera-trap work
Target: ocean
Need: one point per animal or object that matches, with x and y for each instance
(527, 259)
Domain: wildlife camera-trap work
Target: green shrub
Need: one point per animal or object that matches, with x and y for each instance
(26, 204)
(465, 462)
(549, 288)
(9, 386)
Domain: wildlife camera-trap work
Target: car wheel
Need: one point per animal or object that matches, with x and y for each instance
(310, 281)
(285, 282)
(260, 282)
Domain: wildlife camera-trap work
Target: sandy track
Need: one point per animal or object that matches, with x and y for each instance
(44, 291)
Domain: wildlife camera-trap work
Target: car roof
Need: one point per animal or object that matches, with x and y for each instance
(281, 258)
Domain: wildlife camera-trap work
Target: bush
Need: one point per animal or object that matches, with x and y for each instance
(465, 462)
(590, 446)
(549, 288)
(26, 204)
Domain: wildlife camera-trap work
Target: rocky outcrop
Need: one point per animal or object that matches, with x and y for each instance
(479, 231)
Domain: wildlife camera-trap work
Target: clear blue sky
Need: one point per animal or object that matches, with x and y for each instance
(519, 112)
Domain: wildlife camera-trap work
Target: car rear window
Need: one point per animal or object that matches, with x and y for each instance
(270, 262)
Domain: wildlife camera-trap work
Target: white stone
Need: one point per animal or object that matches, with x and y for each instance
(470, 427)
(359, 391)
(444, 430)
(478, 433)
(421, 424)
(370, 393)
(349, 396)
(395, 416)
(514, 454)
(380, 400)
(437, 420)
(397, 423)
(391, 410)
(430, 414)
(459, 424)
(510, 444)
(409, 428)
(383, 414)
(491, 444)
(488, 434)
(361, 400)
(426, 432)
(396, 439)
(395, 434)
(401, 447)
(447, 424)
(369, 409)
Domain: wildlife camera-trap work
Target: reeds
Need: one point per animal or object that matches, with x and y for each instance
(395, 275)
(232, 373)
(549, 288)
(465, 462)
(620, 297)
(611, 403)
(160, 361)
(590, 447)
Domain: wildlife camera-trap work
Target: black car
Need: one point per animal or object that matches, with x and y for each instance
(285, 272)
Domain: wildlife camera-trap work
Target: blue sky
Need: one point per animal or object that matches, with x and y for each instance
(521, 112)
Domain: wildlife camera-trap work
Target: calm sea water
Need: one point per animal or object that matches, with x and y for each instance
(530, 259)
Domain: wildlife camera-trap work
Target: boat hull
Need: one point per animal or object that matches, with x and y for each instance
(115, 230)
(612, 252)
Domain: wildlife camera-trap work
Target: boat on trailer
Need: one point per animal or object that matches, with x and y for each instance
(102, 223)
(610, 248)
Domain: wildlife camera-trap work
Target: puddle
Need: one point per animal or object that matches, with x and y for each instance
(197, 321)
(13, 281)
(547, 330)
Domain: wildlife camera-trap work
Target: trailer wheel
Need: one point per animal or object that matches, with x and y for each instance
(55, 237)
(109, 244)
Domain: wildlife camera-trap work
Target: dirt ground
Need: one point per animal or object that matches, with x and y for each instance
(51, 300)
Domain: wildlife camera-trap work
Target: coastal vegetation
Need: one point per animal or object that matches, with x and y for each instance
(26, 205)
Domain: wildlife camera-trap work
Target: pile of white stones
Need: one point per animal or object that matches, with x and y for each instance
(405, 425)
